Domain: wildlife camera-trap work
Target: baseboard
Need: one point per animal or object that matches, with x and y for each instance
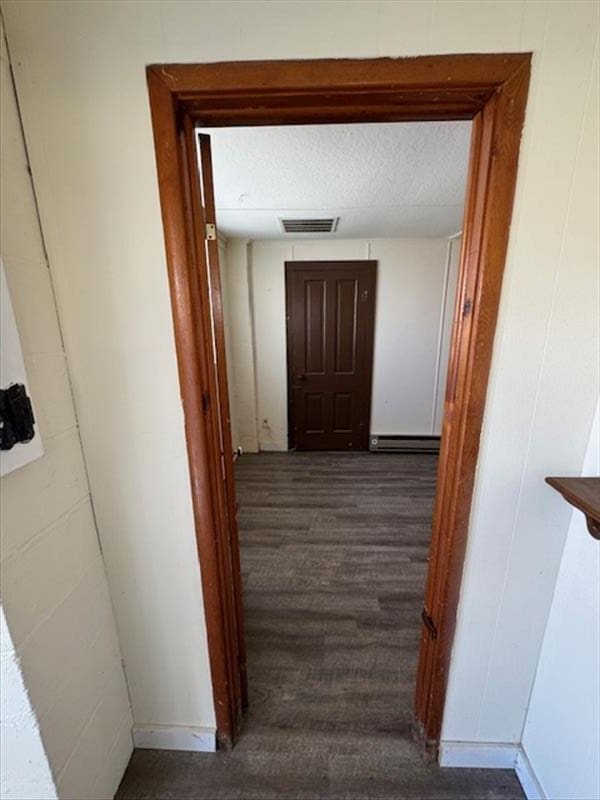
(527, 777)
(482, 755)
(174, 737)
(382, 443)
(493, 755)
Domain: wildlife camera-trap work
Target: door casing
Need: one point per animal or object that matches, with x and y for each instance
(491, 90)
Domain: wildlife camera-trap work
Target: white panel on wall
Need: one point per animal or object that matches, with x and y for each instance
(410, 285)
(268, 305)
(12, 370)
(239, 335)
(62, 672)
(142, 500)
(330, 249)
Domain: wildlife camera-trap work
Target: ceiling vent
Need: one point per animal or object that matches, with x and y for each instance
(325, 225)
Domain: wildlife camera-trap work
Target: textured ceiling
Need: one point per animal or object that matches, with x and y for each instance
(382, 180)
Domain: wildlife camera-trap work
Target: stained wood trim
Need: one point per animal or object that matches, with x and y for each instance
(177, 177)
(491, 90)
(200, 206)
(337, 90)
(462, 73)
(212, 254)
(494, 155)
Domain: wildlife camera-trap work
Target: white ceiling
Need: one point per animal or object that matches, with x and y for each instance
(381, 180)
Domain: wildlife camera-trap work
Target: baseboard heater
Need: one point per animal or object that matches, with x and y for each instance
(404, 444)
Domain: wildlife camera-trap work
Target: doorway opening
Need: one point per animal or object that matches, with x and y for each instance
(337, 258)
(491, 91)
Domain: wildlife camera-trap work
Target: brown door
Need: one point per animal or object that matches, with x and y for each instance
(331, 314)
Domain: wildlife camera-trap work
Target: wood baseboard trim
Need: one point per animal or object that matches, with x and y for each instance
(527, 777)
(174, 737)
(480, 755)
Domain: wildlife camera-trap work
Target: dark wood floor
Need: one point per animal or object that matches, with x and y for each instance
(334, 556)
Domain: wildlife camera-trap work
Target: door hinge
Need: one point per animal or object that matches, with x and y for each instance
(205, 402)
(364, 296)
(467, 306)
(429, 623)
(211, 231)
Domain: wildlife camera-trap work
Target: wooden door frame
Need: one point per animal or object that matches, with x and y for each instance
(291, 266)
(491, 90)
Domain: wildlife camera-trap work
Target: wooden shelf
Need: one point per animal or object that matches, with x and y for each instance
(584, 494)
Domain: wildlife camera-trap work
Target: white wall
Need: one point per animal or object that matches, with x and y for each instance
(409, 326)
(54, 589)
(240, 346)
(113, 299)
(80, 76)
(268, 307)
(562, 730)
(25, 773)
(543, 393)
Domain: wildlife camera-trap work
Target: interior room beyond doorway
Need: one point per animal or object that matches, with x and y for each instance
(395, 195)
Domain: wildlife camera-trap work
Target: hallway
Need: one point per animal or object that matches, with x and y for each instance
(334, 556)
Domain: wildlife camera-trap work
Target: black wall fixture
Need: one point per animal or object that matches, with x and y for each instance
(16, 416)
